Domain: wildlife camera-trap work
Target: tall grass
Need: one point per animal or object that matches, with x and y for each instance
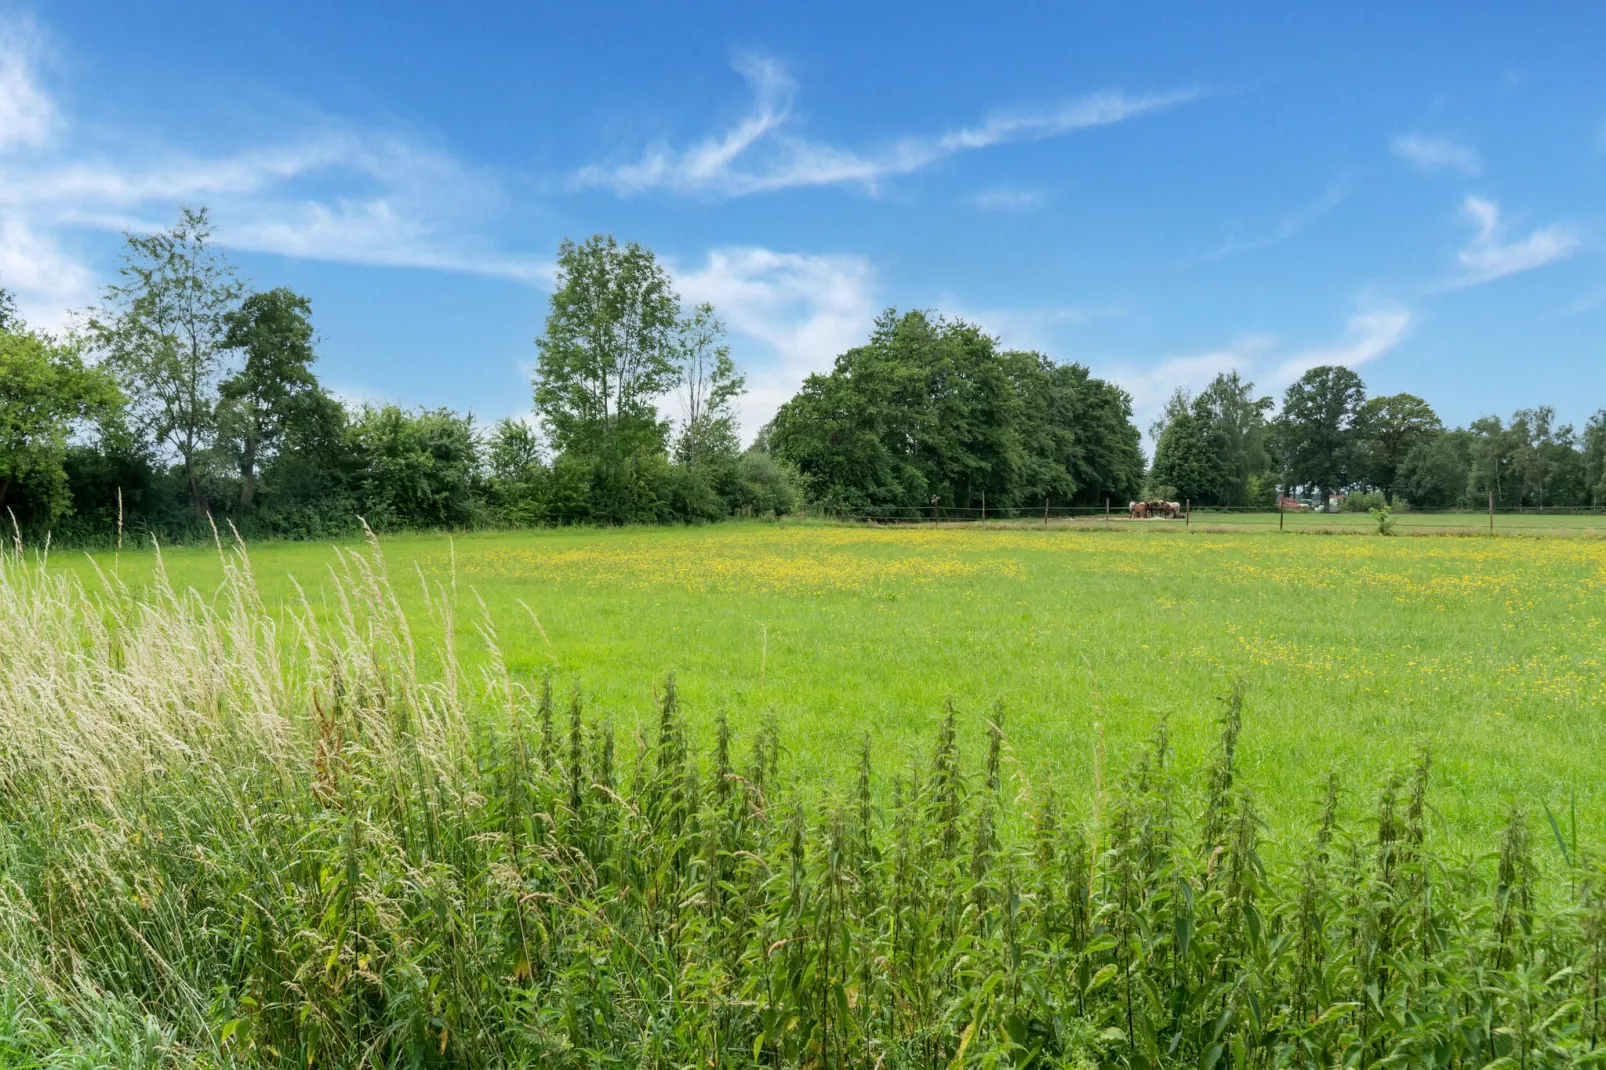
(234, 836)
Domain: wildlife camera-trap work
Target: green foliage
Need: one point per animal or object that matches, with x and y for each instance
(1387, 429)
(609, 350)
(274, 387)
(1188, 460)
(1315, 432)
(46, 391)
(709, 385)
(1434, 474)
(1383, 516)
(418, 468)
(164, 329)
(1214, 448)
(932, 410)
(331, 854)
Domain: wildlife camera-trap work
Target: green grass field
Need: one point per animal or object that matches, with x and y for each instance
(1353, 650)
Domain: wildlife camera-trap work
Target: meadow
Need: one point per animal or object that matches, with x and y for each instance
(805, 797)
(1352, 651)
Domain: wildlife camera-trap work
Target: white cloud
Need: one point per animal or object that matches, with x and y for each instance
(1009, 199)
(1370, 332)
(758, 154)
(1489, 256)
(801, 309)
(1431, 154)
(27, 116)
(47, 279)
(333, 193)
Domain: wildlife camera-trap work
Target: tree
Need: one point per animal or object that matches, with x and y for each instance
(1236, 424)
(709, 385)
(1189, 458)
(1315, 430)
(45, 388)
(262, 399)
(1490, 462)
(933, 408)
(1434, 474)
(1388, 429)
(609, 350)
(1594, 449)
(163, 329)
(10, 322)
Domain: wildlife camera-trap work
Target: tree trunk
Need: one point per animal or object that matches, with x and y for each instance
(248, 473)
(196, 500)
(5, 485)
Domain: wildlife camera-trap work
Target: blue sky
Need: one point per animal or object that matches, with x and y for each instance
(1160, 192)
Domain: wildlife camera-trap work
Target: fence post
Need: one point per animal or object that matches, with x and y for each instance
(1279, 512)
(1491, 512)
(1187, 512)
(1045, 510)
(983, 508)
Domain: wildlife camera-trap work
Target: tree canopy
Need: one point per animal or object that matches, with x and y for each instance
(1314, 430)
(932, 410)
(609, 350)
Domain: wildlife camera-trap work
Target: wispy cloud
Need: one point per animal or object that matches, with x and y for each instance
(804, 309)
(1009, 199)
(1371, 331)
(27, 116)
(335, 193)
(760, 153)
(1286, 228)
(1432, 154)
(1368, 334)
(1490, 256)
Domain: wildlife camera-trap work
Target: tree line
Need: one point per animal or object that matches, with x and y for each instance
(1226, 446)
(186, 399)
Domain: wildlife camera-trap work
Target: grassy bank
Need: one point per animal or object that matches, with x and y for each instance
(235, 834)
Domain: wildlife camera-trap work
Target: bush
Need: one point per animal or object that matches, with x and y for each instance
(1363, 502)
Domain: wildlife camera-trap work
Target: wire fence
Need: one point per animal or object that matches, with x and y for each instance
(1564, 520)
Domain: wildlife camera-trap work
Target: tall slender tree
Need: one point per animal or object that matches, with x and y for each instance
(709, 386)
(163, 329)
(260, 401)
(609, 350)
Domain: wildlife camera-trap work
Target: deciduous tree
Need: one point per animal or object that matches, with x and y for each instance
(609, 350)
(1315, 431)
(708, 386)
(261, 400)
(1388, 429)
(45, 389)
(163, 328)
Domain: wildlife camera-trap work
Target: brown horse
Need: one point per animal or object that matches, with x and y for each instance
(1137, 510)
